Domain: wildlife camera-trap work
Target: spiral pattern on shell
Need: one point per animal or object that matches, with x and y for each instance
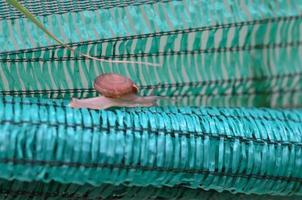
(114, 85)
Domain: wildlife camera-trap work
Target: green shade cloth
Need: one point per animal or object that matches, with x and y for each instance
(224, 53)
(221, 63)
(11, 190)
(240, 150)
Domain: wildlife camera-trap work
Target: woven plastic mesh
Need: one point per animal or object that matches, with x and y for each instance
(54, 190)
(239, 150)
(219, 54)
(224, 53)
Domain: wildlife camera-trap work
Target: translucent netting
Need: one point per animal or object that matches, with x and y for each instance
(229, 53)
(223, 53)
(240, 150)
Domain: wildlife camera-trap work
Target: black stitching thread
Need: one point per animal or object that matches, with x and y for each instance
(65, 195)
(240, 117)
(161, 131)
(165, 85)
(49, 163)
(169, 53)
(70, 7)
(244, 93)
(72, 91)
(42, 194)
(220, 82)
(69, 195)
(158, 34)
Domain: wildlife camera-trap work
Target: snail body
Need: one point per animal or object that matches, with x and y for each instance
(116, 91)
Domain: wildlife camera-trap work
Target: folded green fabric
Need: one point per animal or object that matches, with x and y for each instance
(244, 150)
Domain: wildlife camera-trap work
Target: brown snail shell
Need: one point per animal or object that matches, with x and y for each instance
(114, 85)
(117, 91)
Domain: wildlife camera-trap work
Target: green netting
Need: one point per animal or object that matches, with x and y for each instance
(225, 53)
(228, 55)
(54, 191)
(235, 149)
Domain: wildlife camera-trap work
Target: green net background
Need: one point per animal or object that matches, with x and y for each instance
(219, 54)
(232, 53)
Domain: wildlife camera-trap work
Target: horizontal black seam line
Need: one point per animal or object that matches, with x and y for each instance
(222, 81)
(169, 53)
(69, 195)
(49, 163)
(155, 34)
(42, 194)
(159, 131)
(178, 85)
(240, 117)
(89, 8)
(266, 92)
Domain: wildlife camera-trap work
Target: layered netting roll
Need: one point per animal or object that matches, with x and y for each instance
(252, 151)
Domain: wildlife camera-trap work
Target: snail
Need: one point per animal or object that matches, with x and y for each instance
(117, 91)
